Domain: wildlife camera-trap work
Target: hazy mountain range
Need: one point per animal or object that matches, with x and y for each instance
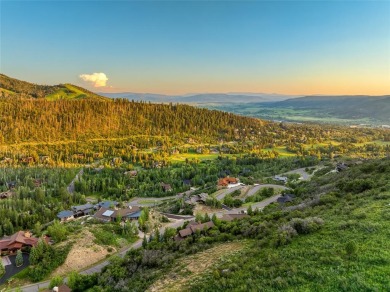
(200, 97)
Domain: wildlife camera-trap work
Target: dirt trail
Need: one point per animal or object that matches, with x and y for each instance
(194, 266)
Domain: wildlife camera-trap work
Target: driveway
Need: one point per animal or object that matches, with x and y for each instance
(225, 192)
(257, 188)
(302, 172)
(11, 269)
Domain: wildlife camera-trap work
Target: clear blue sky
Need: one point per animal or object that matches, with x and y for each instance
(291, 47)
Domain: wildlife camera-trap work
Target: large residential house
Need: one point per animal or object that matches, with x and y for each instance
(192, 228)
(106, 204)
(65, 215)
(17, 241)
(112, 215)
(229, 182)
(83, 210)
(282, 179)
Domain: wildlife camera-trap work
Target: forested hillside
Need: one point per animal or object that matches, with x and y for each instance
(42, 120)
(57, 124)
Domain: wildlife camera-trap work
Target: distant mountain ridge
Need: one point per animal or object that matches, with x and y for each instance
(200, 98)
(360, 106)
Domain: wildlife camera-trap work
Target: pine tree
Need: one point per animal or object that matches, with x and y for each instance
(144, 242)
(2, 268)
(19, 258)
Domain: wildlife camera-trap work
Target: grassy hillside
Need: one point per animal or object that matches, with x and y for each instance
(349, 253)
(17, 88)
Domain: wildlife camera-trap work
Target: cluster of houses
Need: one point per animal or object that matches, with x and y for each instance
(106, 211)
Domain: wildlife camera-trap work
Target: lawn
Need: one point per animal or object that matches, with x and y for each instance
(183, 156)
(283, 152)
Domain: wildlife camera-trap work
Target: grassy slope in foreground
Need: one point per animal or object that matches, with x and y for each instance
(350, 253)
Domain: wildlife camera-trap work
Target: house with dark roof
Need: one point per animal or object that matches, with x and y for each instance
(187, 182)
(192, 228)
(285, 199)
(197, 198)
(282, 179)
(65, 215)
(11, 184)
(106, 204)
(341, 167)
(112, 215)
(17, 241)
(166, 187)
(82, 210)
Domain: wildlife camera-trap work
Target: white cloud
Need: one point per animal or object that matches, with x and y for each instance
(96, 79)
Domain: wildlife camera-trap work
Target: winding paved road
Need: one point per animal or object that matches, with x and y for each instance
(226, 192)
(70, 187)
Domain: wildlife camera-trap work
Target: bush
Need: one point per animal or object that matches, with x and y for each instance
(57, 231)
(307, 225)
(351, 249)
(2, 268)
(103, 237)
(285, 234)
(79, 283)
(47, 260)
(19, 258)
(56, 281)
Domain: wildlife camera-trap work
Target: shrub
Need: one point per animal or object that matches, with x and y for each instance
(19, 258)
(57, 231)
(56, 281)
(285, 234)
(48, 260)
(2, 268)
(307, 225)
(351, 249)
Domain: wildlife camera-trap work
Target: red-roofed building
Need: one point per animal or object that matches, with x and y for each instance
(17, 241)
(224, 182)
